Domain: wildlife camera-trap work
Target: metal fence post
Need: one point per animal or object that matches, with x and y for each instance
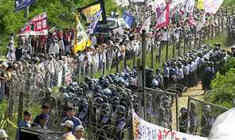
(184, 45)
(20, 106)
(160, 52)
(173, 50)
(117, 62)
(143, 66)
(188, 115)
(152, 56)
(177, 114)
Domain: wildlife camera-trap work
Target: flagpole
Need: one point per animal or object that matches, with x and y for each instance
(26, 12)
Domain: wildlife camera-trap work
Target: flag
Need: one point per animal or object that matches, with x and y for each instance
(122, 3)
(22, 4)
(36, 26)
(191, 20)
(212, 6)
(189, 6)
(90, 11)
(163, 15)
(146, 25)
(82, 41)
(200, 4)
(128, 18)
(96, 18)
(201, 23)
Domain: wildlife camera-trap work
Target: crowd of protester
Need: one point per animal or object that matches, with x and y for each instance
(112, 96)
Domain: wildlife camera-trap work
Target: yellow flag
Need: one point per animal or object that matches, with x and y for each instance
(200, 4)
(90, 11)
(82, 40)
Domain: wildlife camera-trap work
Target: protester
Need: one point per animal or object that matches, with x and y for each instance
(45, 110)
(68, 126)
(79, 132)
(70, 115)
(43, 121)
(25, 123)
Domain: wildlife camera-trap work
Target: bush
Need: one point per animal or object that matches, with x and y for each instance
(223, 89)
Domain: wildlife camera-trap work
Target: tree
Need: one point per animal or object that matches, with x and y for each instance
(223, 89)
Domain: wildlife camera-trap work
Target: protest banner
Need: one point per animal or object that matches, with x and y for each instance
(82, 41)
(36, 26)
(146, 25)
(163, 14)
(189, 7)
(22, 4)
(200, 4)
(128, 18)
(90, 12)
(143, 130)
(95, 19)
(212, 6)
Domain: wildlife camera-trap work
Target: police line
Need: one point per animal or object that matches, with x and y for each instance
(143, 130)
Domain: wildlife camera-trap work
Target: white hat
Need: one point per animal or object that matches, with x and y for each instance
(3, 134)
(223, 128)
(79, 128)
(68, 123)
(5, 64)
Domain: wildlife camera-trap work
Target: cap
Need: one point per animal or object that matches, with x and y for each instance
(79, 128)
(3, 134)
(68, 123)
(5, 64)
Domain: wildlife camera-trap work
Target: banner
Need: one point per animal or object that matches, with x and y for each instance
(163, 14)
(36, 26)
(128, 18)
(90, 12)
(96, 19)
(143, 130)
(200, 4)
(212, 6)
(82, 41)
(189, 7)
(22, 4)
(146, 25)
(201, 23)
(122, 3)
(137, 1)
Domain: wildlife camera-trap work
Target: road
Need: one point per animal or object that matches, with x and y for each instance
(196, 92)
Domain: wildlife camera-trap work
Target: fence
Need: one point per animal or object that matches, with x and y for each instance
(201, 116)
(156, 106)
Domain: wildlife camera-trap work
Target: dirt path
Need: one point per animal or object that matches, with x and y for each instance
(195, 92)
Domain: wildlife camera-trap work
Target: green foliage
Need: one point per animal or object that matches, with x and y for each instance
(221, 38)
(59, 12)
(230, 64)
(223, 89)
(229, 3)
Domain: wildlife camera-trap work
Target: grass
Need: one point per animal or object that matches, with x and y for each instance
(221, 38)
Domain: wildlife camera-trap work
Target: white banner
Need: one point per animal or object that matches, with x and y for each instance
(146, 25)
(163, 14)
(143, 130)
(212, 6)
(189, 7)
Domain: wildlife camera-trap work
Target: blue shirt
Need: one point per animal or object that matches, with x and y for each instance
(37, 119)
(22, 124)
